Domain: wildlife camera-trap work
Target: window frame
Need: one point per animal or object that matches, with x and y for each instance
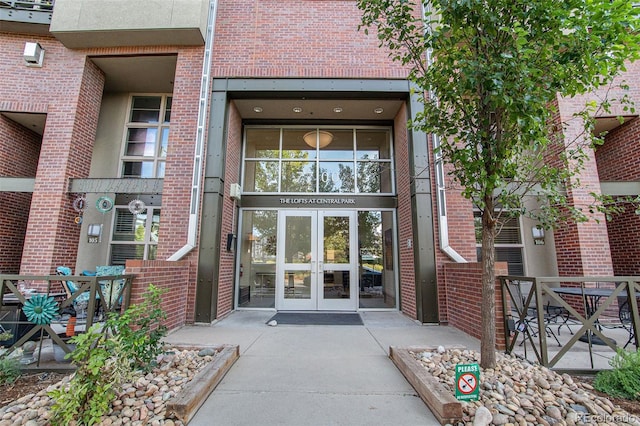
(147, 242)
(162, 127)
(280, 161)
(520, 245)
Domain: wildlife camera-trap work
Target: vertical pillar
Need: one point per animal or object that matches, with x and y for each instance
(52, 235)
(583, 248)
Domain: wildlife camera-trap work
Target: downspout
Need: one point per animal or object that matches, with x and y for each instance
(441, 195)
(200, 136)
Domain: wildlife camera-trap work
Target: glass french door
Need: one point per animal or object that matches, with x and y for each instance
(317, 260)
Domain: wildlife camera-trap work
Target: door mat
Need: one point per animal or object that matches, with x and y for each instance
(317, 318)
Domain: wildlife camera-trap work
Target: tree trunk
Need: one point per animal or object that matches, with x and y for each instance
(488, 339)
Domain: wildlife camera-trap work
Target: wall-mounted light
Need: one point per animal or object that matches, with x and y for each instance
(33, 54)
(538, 235)
(235, 191)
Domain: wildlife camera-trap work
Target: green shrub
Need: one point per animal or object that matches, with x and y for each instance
(106, 356)
(623, 381)
(9, 369)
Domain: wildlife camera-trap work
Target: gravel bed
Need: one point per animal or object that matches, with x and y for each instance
(518, 392)
(142, 401)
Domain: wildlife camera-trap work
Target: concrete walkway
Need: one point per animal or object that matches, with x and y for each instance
(316, 375)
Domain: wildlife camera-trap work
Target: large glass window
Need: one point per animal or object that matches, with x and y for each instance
(134, 236)
(146, 137)
(257, 246)
(508, 244)
(318, 160)
(376, 260)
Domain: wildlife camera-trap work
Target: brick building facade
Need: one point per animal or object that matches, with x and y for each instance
(181, 107)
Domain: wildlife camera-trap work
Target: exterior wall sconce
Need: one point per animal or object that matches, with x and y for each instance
(538, 235)
(33, 54)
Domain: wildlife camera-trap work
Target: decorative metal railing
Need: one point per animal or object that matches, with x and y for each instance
(43, 307)
(532, 305)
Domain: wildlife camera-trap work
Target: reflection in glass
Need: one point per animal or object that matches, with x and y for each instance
(298, 176)
(336, 240)
(297, 247)
(356, 161)
(376, 260)
(336, 177)
(257, 250)
(297, 285)
(261, 176)
(293, 145)
(262, 143)
(337, 284)
(141, 142)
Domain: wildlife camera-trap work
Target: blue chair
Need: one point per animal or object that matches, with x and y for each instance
(81, 302)
(111, 289)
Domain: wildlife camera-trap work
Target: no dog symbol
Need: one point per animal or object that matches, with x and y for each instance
(467, 378)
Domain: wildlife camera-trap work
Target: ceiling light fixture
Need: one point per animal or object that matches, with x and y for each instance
(337, 109)
(297, 110)
(378, 110)
(324, 137)
(257, 109)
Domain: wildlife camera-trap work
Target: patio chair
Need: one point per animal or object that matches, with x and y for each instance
(111, 289)
(624, 312)
(81, 302)
(529, 323)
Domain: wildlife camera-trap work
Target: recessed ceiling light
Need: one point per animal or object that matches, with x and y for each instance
(257, 109)
(297, 110)
(337, 109)
(378, 110)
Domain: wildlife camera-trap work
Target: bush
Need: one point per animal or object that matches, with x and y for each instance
(106, 356)
(9, 369)
(623, 381)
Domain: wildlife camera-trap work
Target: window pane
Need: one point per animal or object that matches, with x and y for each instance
(336, 177)
(373, 144)
(369, 177)
(257, 249)
(155, 226)
(121, 252)
(341, 146)
(153, 251)
(164, 142)
(167, 111)
(298, 176)
(294, 146)
(128, 227)
(262, 143)
(261, 176)
(146, 109)
(141, 142)
(138, 169)
(376, 277)
(160, 171)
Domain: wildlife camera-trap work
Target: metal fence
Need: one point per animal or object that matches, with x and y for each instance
(534, 306)
(77, 300)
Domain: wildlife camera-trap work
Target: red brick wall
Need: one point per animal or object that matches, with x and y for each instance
(67, 144)
(172, 277)
(19, 153)
(582, 248)
(176, 194)
(464, 290)
(619, 160)
(231, 175)
(298, 39)
(405, 217)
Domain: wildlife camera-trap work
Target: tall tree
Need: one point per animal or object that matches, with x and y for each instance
(492, 72)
